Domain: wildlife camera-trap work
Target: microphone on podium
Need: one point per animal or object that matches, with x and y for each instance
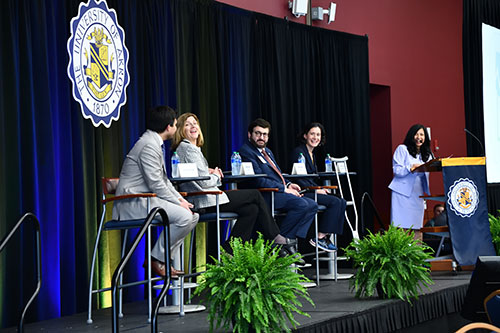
(435, 149)
(475, 137)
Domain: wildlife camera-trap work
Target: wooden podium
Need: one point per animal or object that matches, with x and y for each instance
(433, 165)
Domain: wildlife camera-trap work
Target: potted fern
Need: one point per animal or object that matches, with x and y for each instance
(495, 231)
(253, 289)
(393, 261)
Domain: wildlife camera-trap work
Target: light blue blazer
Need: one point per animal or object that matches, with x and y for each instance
(404, 180)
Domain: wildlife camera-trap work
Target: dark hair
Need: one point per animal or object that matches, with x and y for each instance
(425, 149)
(308, 128)
(159, 117)
(259, 122)
(438, 205)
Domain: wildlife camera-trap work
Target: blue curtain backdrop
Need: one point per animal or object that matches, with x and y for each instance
(223, 63)
(52, 159)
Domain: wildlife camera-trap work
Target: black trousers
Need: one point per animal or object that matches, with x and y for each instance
(254, 215)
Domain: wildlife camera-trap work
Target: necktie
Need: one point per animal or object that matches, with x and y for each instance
(268, 159)
(164, 158)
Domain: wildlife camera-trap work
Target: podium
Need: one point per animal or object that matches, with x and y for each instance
(464, 180)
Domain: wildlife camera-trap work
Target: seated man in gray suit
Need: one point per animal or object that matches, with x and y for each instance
(143, 171)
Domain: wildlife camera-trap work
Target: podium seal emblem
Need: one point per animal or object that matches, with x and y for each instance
(98, 62)
(463, 197)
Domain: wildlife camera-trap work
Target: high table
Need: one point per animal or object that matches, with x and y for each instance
(309, 175)
(327, 175)
(178, 298)
(233, 180)
(180, 180)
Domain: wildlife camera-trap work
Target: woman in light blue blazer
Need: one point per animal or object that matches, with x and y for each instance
(407, 208)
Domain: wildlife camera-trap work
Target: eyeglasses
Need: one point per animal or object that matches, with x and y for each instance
(258, 134)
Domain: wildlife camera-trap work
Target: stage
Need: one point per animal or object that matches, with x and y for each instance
(337, 310)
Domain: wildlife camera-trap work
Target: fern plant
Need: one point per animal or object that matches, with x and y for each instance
(394, 261)
(495, 231)
(253, 288)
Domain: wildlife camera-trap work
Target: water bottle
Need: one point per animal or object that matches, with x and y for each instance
(235, 164)
(238, 162)
(302, 159)
(175, 165)
(328, 163)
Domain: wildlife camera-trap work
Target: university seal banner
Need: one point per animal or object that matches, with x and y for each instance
(465, 187)
(98, 60)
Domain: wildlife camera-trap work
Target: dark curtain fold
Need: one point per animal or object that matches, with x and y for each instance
(225, 64)
(475, 13)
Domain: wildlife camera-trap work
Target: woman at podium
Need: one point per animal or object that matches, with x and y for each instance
(407, 208)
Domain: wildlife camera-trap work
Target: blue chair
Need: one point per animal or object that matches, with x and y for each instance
(109, 186)
(475, 326)
(492, 307)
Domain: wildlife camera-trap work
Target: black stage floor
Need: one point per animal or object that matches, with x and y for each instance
(337, 310)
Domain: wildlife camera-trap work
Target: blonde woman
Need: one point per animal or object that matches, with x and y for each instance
(253, 212)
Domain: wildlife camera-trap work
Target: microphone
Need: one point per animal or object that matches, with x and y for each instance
(475, 137)
(436, 148)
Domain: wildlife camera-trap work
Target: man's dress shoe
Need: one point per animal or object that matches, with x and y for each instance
(290, 247)
(282, 252)
(158, 268)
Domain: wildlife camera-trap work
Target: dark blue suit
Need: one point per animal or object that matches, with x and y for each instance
(332, 220)
(300, 210)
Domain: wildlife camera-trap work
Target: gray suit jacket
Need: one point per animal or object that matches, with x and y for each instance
(189, 153)
(143, 171)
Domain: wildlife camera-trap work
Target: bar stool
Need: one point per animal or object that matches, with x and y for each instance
(216, 217)
(109, 186)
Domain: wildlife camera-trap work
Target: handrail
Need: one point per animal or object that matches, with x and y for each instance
(166, 281)
(38, 260)
(128, 255)
(377, 215)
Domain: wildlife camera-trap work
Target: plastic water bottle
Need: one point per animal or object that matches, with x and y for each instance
(328, 163)
(175, 165)
(235, 164)
(302, 159)
(238, 161)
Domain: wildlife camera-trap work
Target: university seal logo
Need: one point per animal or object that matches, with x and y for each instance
(98, 60)
(463, 197)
